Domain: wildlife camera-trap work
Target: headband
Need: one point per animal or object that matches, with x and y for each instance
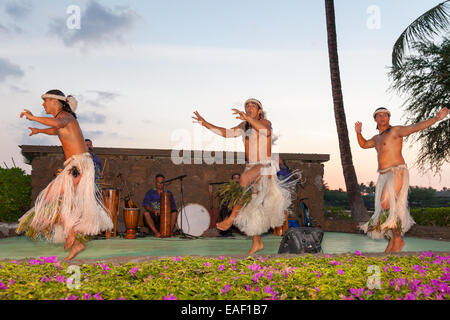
(255, 102)
(71, 101)
(380, 110)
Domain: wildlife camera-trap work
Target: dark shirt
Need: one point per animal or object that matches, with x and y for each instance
(98, 169)
(283, 173)
(153, 200)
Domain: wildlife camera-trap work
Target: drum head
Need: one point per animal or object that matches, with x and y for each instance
(195, 220)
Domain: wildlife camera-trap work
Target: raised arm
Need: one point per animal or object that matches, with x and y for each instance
(363, 143)
(404, 131)
(56, 123)
(226, 133)
(262, 125)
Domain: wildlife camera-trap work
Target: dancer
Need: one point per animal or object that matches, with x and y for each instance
(69, 209)
(391, 218)
(259, 200)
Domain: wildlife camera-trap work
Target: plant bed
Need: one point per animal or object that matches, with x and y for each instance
(306, 277)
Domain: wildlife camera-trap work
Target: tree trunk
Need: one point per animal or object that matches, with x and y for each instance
(359, 211)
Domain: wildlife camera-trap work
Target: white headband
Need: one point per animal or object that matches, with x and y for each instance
(73, 103)
(380, 111)
(254, 101)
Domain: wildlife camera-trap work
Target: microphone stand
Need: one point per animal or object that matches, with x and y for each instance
(183, 235)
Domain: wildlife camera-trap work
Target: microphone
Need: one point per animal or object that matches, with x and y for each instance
(179, 177)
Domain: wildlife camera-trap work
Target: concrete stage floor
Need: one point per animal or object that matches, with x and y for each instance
(119, 248)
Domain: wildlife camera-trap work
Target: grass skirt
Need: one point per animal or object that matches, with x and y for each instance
(269, 199)
(62, 206)
(397, 217)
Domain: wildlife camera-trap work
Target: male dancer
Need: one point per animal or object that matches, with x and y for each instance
(265, 207)
(391, 217)
(69, 208)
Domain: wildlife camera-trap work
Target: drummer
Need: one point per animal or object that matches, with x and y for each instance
(152, 206)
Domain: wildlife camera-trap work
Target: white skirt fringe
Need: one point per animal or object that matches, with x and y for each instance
(61, 206)
(271, 198)
(398, 211)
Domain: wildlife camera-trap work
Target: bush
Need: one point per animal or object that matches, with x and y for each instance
(432, 216)
(307, 277)
(337, 213)
(15, 194)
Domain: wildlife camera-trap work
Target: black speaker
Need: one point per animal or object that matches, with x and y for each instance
(302, 240)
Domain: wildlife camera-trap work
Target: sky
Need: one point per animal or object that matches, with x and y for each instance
(139, 70)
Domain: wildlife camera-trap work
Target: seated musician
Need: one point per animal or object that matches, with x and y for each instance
(225, 212)
(152, 207)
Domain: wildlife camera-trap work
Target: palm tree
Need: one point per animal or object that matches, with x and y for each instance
(359, 211)
(426, 26)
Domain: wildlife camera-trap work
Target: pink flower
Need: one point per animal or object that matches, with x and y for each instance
(317, 289)
(340, 272)
(3, 286)
(207, 264)
(269, 275)
(87, 296)
(319, 274)
(170, 297)
(396, 269)
(11, 282)
(134, 271)
(97, 296)
(410, 296)
(247, 288)
(221, 267)
(357, 253)
(225, 289)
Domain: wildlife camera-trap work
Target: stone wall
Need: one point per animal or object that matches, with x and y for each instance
(138, 168)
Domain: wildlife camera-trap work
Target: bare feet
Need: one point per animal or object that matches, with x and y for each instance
(389, 246)
(255, 248)
(76, 249)
(398, 245)
(225, 224)
(157, 235)
(257, 245)
(69, 241)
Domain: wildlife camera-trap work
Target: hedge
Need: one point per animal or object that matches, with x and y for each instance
(15, 194)
(346, 277)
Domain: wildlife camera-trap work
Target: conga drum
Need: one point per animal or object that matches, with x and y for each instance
(111, 202)
(165, 212)
(131, 217)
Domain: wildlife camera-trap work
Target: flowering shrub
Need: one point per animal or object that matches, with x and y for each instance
(346, 277)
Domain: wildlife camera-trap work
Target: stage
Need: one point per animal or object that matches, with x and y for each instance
(124, 250)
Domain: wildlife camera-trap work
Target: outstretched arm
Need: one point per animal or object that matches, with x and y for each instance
(363, 143)
(226, 133)
(49, 131)
(405, 131)
(56, 123)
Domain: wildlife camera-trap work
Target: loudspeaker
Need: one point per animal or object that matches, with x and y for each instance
(302, 240)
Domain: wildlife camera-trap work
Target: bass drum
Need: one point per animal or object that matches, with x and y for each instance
(194, 220)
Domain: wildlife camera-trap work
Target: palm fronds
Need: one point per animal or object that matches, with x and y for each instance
(426, 26)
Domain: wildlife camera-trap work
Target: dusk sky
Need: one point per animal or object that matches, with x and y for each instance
(139, 70)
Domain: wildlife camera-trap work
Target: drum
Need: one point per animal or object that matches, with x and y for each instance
(165, 212)
(111, 202)
(131, 217)
(194, 220)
